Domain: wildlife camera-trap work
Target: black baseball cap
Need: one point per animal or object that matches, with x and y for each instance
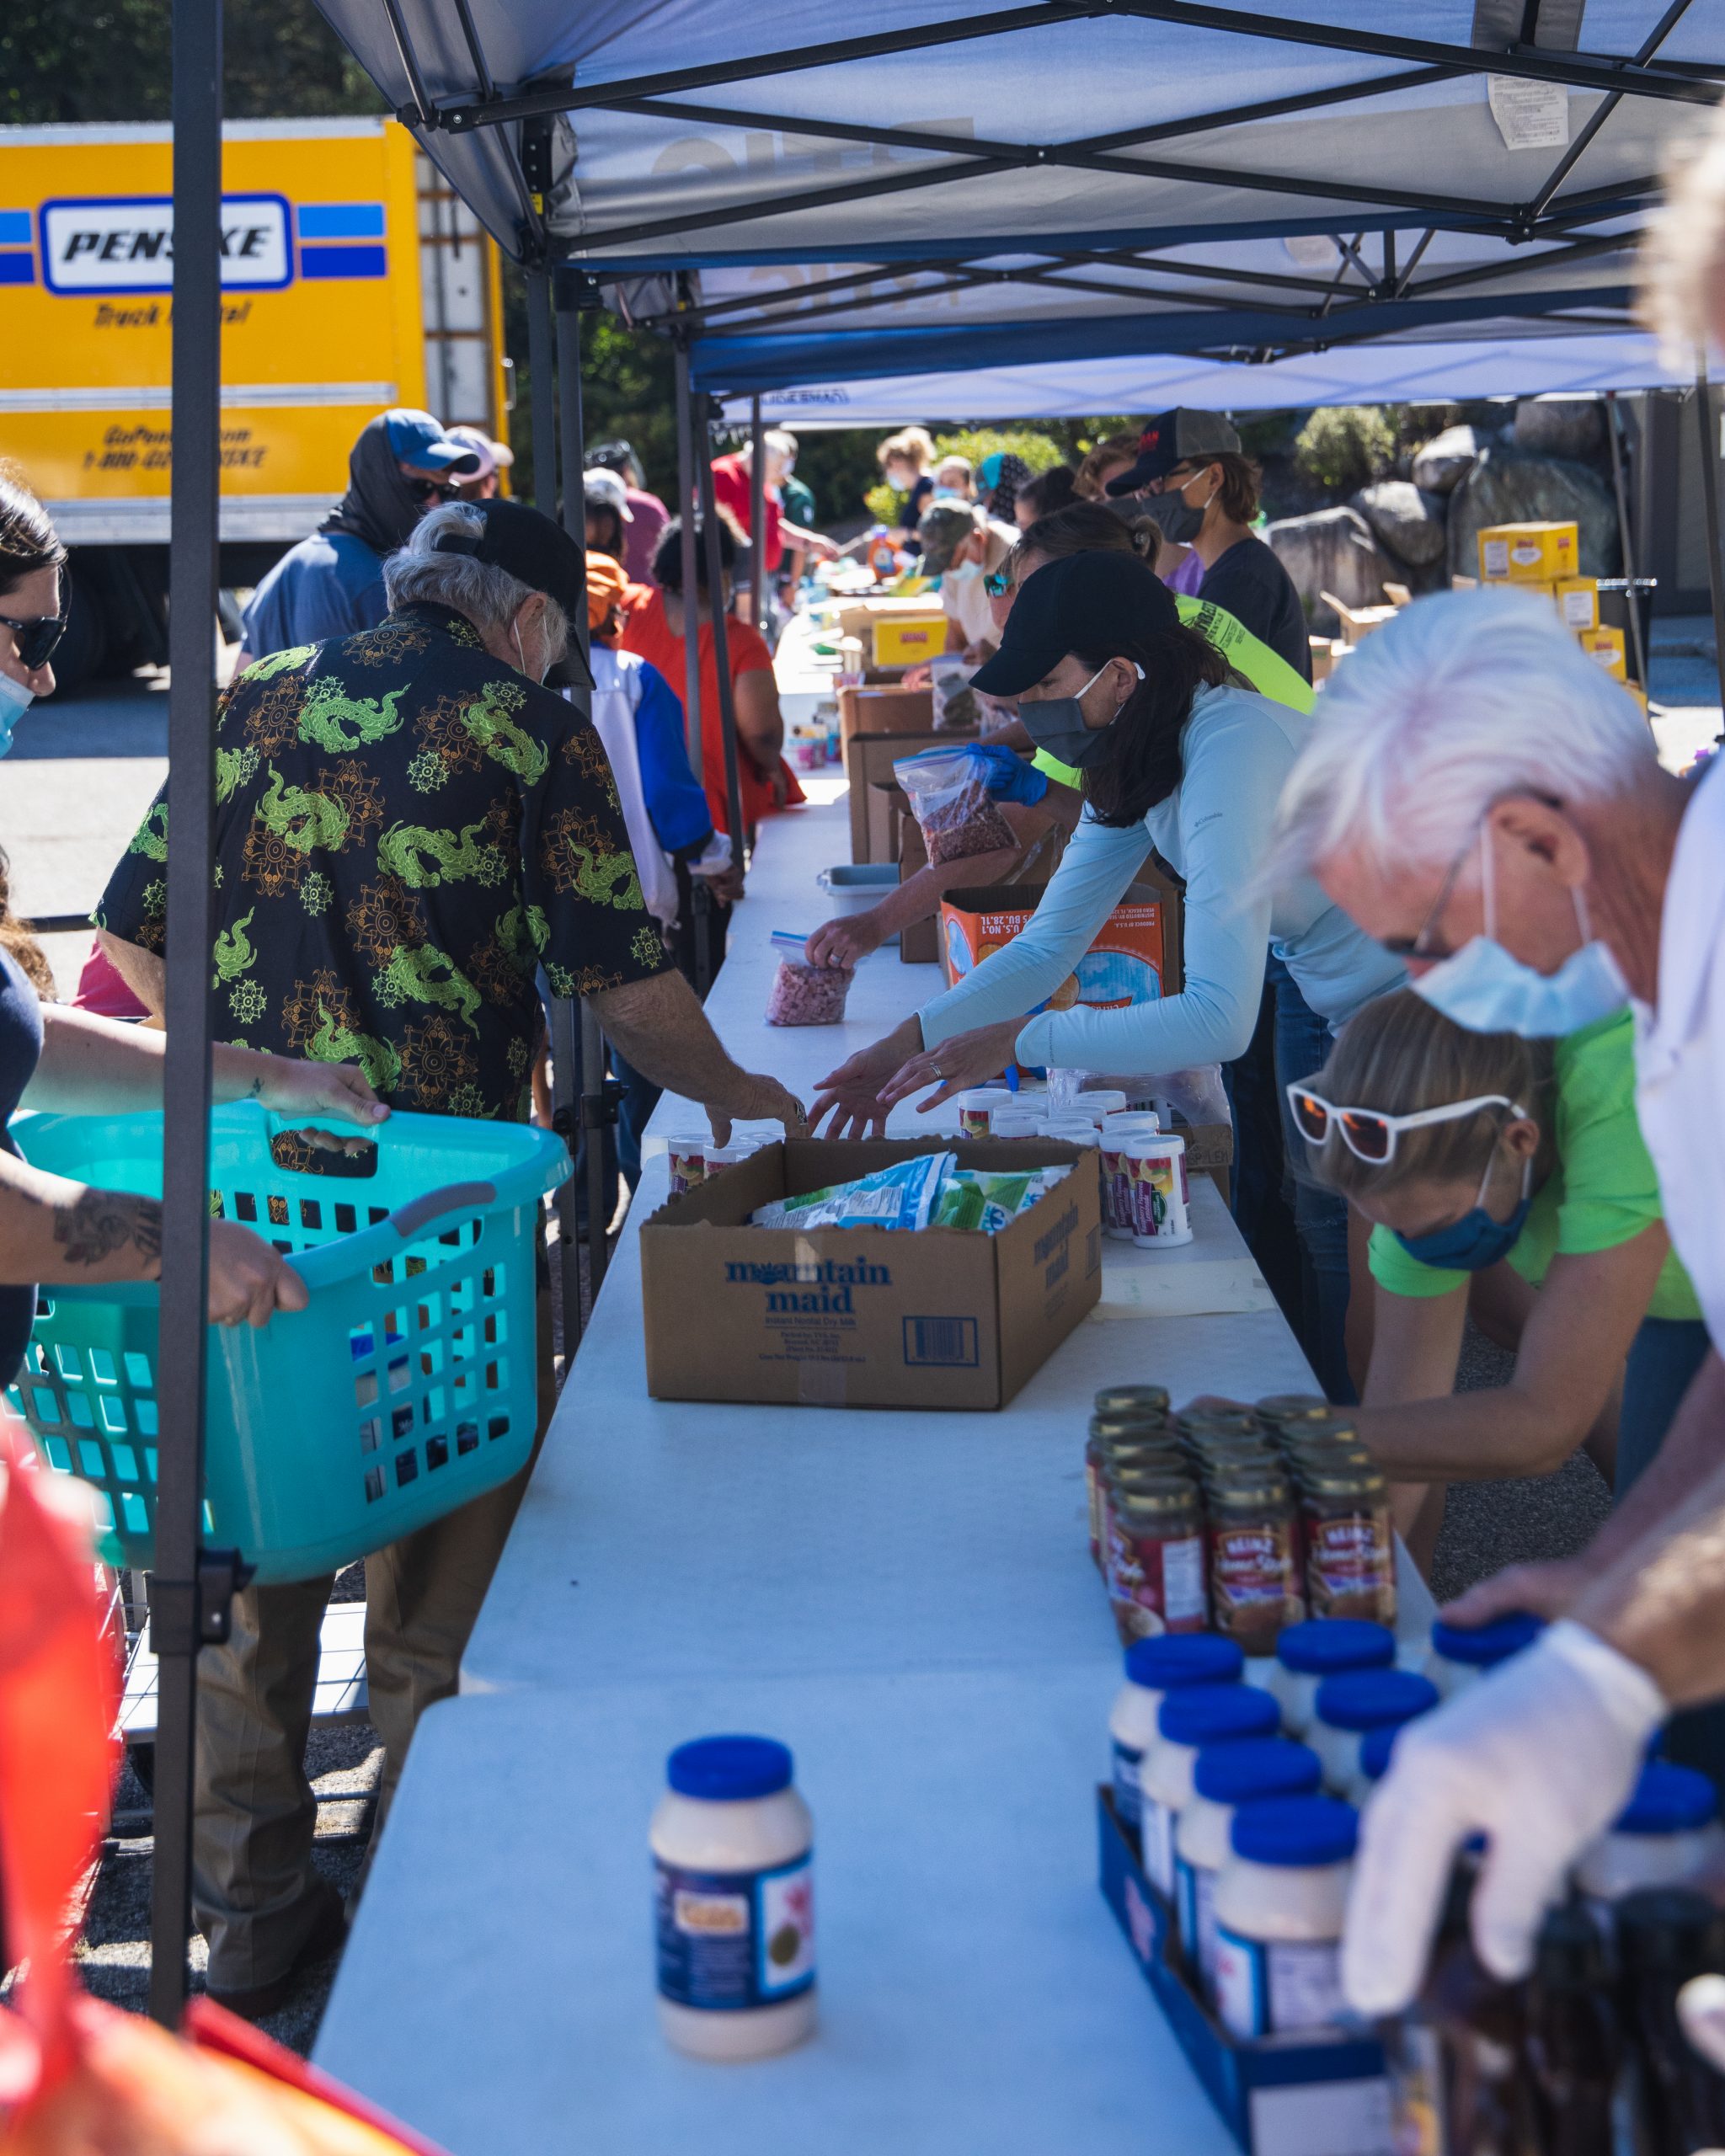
(535, 550)
(1085, 603)
(1176, 437)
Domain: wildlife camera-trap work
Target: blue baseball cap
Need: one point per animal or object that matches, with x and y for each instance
(419, 439)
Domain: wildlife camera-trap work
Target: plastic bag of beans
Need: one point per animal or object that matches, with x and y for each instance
(950, 799)
(802, 995)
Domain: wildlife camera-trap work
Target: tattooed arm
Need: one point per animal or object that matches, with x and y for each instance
(98, 1066)
(67, 1235)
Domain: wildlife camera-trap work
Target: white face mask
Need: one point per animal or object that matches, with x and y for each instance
(15, 700)
(1489, 991)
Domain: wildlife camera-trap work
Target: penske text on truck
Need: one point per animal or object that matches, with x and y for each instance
(352, 280)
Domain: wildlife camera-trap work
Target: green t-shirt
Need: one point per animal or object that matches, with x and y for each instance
(1601, 1192)
(1250, 657)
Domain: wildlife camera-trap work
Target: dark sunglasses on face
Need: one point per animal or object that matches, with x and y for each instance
(36, 640)
(430, 490)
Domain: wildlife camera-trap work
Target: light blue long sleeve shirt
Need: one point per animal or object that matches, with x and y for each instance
(1214, 831)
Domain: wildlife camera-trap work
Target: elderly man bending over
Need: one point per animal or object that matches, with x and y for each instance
(1484, 802)
(408, 827)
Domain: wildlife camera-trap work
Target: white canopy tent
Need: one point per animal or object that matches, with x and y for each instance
(1375, 373)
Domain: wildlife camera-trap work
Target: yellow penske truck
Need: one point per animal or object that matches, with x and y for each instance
(353, 280)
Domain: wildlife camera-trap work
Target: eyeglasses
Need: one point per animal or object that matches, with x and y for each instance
(997, 584)
(37, 640)
(1419, 946)
(430, 490)
(1370, 1136)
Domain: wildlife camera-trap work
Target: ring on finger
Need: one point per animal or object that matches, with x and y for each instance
(936, 1071)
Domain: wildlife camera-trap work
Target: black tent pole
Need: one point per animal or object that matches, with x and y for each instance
(721, 640)
(757, 516)
(1708, 423)
(184, 1607)
(706, 920)
(598, 1110)
(1613, 430)
(542, 368)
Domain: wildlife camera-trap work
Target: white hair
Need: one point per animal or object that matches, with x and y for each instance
(1685, 247)
(1462, 699)
(489, 597)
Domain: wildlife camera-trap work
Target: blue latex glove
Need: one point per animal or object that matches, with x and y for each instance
(1007, 777)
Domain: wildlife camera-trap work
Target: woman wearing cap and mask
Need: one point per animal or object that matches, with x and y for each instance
(1172, 756)
(1505, 1180)
(332, 583)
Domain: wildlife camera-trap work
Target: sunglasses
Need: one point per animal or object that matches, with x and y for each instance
(37, 640)
(997, 584)
(1368, 1134)
(430, 490)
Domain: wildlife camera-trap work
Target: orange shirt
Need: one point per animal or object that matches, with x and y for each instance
(646, 632)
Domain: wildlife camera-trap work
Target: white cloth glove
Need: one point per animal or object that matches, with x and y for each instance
(1540, 1757)
(1701, 2008)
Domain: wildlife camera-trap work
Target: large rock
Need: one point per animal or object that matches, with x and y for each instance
(1503, 488)
(1560, 426)
(1411, 524)
(1332, 550)
(1445, 459)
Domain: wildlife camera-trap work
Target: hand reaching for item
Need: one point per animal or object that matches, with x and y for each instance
(758, 1099)
(843, 942)
(848, 1101)
(967, 1059)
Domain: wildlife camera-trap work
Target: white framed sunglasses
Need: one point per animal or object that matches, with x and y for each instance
(1370, 1136)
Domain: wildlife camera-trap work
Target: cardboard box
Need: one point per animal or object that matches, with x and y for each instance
(1322, 661)
(869, 757)
(862, 1317)
(1278, 2096)
(909, 639)
(1578, 601)
(1140, 938)
(919, 945)
(884, 707)
(1529, 553)
(856, 617)
(1606, 649)
(1358, 622)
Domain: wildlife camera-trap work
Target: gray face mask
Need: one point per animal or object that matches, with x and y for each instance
(1173, 516)
(1056, 724)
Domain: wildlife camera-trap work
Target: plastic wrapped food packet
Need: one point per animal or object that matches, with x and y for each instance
(949, 797)
(901, 1196)
(802, 995)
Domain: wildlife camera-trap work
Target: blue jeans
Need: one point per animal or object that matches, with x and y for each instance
(1267, 1148)
(1663, 1358)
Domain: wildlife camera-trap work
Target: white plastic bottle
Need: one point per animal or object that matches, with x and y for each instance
(734, 1900)
(1248, 1771)
(1461, 1654)
(1667, 1833)
(1323, 1646)
(1188, 1720)
(1171, 1661)
(1281, 1902)
(1347, 1706)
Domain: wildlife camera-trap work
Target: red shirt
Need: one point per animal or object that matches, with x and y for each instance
(646, 631)
(730, 490)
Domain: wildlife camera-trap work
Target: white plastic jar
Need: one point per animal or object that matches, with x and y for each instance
(1248, 1771)
(1187, 1722)
(1099, 1100)
(1323, 1646)
(1072, 1130)
(977, 1109)
(1281, 1902)
(1171, 1661)
(688, 1159)
(1347, 1706)
(1667, 1833)
(1157, 1189)
(1460, 1654)
(733, 1855)
(1116, 1193)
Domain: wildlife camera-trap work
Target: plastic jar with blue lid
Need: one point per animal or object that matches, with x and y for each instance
(1281, 1903)
(1667, 1833)
(1188, 1721)
(1350, 1705)
(1248, 1770)
(1376, 1747)
(1321, 1647)
(1461, 1654)
(732, 1861)
(1171, 1661)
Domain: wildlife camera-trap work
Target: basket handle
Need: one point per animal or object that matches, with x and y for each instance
(377, 1245)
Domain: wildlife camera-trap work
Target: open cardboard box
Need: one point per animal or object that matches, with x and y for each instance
(864, 1317)
(1146, 925)
(868, 760)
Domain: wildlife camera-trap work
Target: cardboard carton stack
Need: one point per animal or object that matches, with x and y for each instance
(1545, 558)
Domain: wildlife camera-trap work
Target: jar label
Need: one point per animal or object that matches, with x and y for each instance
(1195, 1899)
(1350, 1565)
(1156, 1584)
(1157, 1835)
(729, 1941)
(1265, 1987)
(1128, 1795)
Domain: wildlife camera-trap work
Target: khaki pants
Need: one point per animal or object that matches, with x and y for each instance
(254, 1812)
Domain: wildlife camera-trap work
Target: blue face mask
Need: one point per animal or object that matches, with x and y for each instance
(15, 700)
(1475, 1241)
(1487, 990)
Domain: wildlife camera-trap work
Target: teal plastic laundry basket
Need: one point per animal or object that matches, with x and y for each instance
(406, 1388)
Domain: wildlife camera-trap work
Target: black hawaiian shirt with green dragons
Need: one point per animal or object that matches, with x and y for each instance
(406, 828)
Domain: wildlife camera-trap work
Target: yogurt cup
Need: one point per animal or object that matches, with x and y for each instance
(977, 1107)
(688, 1150)
(1156, 1187)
